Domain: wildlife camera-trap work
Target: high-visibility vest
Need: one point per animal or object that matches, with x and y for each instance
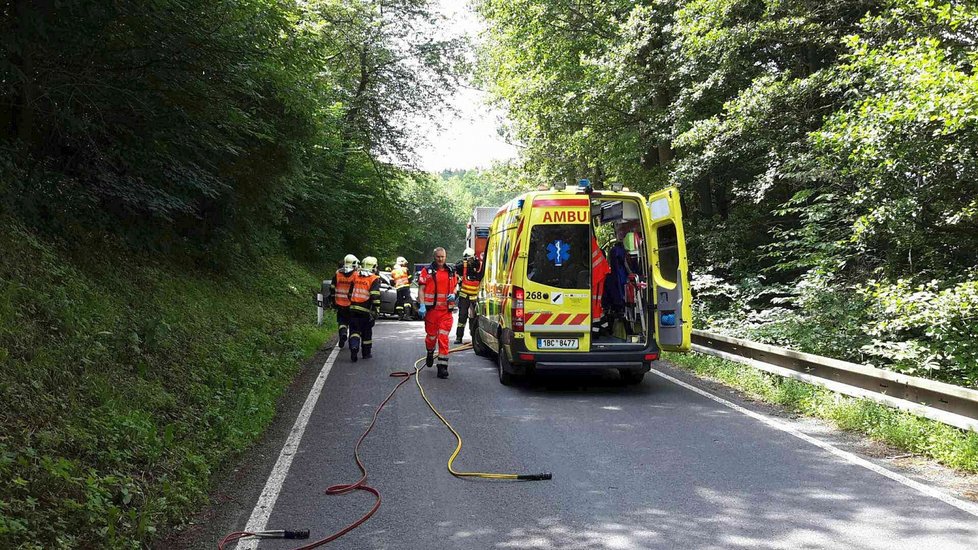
(632, 242)
(344, 283)
(435, 293)
(363, 293)
(400, 276)
(470, 288)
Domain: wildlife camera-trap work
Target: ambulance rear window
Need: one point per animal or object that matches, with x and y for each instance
(559, 255)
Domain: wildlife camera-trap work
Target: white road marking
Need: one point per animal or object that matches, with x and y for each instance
(266, 502)
(845, 455)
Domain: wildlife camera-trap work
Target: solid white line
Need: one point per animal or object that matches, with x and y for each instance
(845, 455)
(266, 502)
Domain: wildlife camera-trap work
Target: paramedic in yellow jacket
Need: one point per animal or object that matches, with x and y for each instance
(402, 284)
(469, 276)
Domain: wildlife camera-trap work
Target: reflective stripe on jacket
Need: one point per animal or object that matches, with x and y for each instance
(436, 284)
(470, 281)
(600, 269)
(343, 286)
(400, 276)
(366, 292)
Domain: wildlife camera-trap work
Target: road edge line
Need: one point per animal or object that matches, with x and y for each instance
(845, 455)
(258, 520)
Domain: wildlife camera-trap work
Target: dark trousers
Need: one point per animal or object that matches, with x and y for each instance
(464, 305)
(361, 332)
(343, 320)
(403, 297)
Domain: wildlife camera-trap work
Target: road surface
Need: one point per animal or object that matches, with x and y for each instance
(656, 465)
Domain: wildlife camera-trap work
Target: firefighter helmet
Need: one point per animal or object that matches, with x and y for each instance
(468, 253)
(350, 261)
(369, 263)
(400, 261)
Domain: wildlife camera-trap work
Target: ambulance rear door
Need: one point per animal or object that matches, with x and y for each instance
(557, 282)
(673, 314)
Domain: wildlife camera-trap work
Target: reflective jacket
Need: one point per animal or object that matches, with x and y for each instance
(436, 284)
(365, 295)
(469, 279)
(600, 269)
(343, 286)
(400, 276)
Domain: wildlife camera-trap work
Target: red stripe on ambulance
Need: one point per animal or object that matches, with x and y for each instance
(561, 319)
(542, 318)
(561, 202)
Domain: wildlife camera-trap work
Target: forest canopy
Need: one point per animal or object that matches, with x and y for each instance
(826, 151)
(221, 128)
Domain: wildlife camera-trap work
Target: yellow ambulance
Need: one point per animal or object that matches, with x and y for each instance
(584, 279)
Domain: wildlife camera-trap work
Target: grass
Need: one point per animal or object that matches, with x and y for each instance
(125, 381)
(951, 446)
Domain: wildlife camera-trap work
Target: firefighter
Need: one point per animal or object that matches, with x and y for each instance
(402, 284)
(342, 285)
(364, 308)
(469, 276)
(436, 291)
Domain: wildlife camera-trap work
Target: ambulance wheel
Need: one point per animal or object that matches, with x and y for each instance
(478, 346)
(631, 377)
(506, 377)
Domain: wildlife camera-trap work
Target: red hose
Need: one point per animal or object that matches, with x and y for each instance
(343, 488)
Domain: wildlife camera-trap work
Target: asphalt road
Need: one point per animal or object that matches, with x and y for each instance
(649, 466)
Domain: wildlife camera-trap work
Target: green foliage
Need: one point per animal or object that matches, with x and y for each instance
(217, 128)
(926, 330)
(825, 151)
(951, 446)
(125, 380)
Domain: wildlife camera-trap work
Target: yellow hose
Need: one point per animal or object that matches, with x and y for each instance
(458, 446)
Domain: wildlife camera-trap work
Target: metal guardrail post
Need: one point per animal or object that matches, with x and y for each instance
(947, 403)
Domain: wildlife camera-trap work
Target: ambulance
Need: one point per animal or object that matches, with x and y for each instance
(584, 279)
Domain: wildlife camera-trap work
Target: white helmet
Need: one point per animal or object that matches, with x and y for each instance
(468, 253)
(350, 261)
(401, 261)
(369, 263)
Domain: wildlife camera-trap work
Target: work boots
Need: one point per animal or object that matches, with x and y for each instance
(429, 360)
(366, 351)
(442, 370)
(342, 341)
(458, 335)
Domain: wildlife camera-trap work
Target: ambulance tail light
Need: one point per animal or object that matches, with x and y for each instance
(518, 311)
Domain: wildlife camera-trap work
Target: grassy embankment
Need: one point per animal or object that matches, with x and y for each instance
(125, 380)
(951, 446)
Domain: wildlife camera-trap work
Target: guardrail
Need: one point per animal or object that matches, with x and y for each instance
(947, 403)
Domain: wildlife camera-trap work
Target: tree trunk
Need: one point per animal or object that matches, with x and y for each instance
(704, 190)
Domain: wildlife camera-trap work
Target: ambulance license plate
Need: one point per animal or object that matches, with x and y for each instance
(557, 343)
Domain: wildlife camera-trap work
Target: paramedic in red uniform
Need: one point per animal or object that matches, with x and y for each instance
(436, 292)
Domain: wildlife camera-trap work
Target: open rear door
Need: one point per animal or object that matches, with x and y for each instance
(670, 277)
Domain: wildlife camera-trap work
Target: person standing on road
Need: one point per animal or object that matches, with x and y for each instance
(436, 291)
(402, 284)
(469, 277)
(342, 285)
(364, 308)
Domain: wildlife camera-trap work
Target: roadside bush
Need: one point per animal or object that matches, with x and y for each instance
(125, 381)
(926, 330)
